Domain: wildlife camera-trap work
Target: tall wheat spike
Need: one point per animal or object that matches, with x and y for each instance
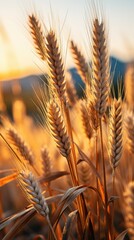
(33, 192)
(130, 131)
(58, 128)
(80, 61)
(129, 209)
(37, 35)
(55, 64)
(100, 90)
(100, 66)
(115, 133)
(20, 146)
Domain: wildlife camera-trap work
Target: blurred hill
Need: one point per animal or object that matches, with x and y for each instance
(117, 68)
(24, 88)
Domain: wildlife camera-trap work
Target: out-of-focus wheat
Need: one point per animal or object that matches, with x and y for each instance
(129, 85)
(130, 131)
(94, 118)
(86, 120)
(129, 209)
(20, 146)
(71, 90)
(46, 164)
(80, 61)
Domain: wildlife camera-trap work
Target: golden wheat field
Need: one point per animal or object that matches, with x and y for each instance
(69, 175)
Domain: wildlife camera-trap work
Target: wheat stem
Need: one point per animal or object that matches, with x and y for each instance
(97, 169)
(51, 228)
(104, 176)
(113, 207)
(129, 208)
(80, 201)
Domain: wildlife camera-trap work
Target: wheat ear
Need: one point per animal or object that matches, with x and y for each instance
(33, 192)
(20, 146)
(129, 209)
(130, 131)
(34, 195)
(115, 133)
(55, 64)
(58, 128)
(100, 65)
(37, 35)
(80, 61)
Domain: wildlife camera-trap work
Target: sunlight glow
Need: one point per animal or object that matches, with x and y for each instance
(18, 56)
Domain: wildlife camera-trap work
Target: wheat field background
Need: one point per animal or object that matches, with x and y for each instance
(70, 173)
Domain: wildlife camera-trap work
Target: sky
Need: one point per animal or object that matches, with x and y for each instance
(17, 55)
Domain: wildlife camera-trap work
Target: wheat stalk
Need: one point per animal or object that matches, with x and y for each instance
(58, 129)
(37, 35)
(55, 64)
(100, 89)
(115, 133)
(129, 209)
(100, 66)
(80, 61)
(58, 84)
